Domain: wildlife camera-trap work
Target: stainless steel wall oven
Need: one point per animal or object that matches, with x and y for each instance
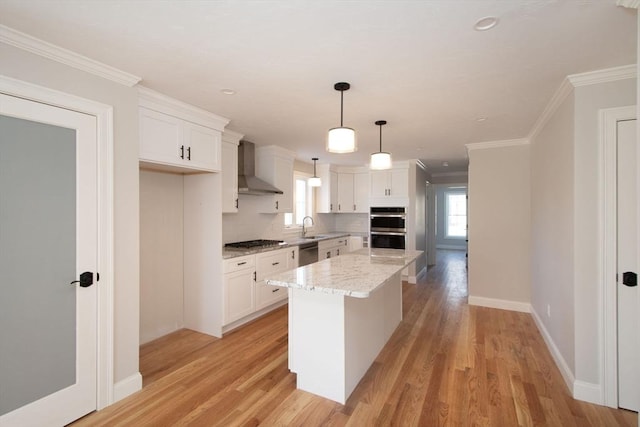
(388, 227)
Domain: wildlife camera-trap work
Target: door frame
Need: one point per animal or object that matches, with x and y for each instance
(608, 333)
(104, 118)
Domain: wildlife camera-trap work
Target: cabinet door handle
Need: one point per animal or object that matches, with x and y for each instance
(331, 206)
(338, 206)
(338, 251)
(293, 254)
(276, 205)
(189, 153)
(255, 278)
(328, 254)
(354, 207)
(236, 203)
(275, 290)
(182, 152)
(275, 263)
(242, 263)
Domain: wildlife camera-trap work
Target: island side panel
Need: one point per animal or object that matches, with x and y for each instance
(318, 343)
(370, 322)
(393, 304)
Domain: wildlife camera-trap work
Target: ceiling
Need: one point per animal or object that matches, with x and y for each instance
(419, 65)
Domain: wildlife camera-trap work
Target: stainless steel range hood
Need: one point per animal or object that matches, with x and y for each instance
(248, 183)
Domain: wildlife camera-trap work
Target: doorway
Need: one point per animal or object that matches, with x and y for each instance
(56, 191)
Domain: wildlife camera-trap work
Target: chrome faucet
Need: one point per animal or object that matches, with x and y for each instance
(304, 230)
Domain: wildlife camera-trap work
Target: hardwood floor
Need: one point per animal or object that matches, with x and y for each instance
(448, 363)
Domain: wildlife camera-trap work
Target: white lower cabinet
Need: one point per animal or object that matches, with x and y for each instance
(333, 247)
(268, 264)
(245, 290)
(239, 280)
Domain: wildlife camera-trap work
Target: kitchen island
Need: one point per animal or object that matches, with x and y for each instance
(342, 311)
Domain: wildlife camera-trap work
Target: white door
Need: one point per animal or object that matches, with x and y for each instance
(628, 317)
(48, 237)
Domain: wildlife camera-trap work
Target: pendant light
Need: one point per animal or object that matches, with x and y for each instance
(314, 181)
(341, 139)
(380, 160)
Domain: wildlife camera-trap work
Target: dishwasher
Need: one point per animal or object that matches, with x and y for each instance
(308, 253)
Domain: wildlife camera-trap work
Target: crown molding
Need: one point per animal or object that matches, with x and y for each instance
(632, 4)
(604, 76)
(231, 136)
(565, 89)
(583, 79)
(157, 101)
(56, 53)
(496, 144)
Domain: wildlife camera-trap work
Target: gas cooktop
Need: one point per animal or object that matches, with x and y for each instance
(254, 244)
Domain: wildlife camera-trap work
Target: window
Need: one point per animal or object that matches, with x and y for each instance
(456, 211)
(302, 201)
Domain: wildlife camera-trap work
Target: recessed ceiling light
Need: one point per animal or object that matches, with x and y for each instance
(486, 23)
(481, 119)
(445, 164)
(228, 91)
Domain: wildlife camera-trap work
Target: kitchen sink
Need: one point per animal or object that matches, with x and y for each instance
(319, 236)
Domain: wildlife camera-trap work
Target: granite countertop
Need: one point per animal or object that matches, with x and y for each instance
(296, 241)
(355, 274)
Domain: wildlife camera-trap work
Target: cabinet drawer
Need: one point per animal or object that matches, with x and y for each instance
(271, 263)
(267, 295)
(239, 263)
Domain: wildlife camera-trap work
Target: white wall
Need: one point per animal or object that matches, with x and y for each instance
(442, 241)
(499, 224)
(35, 69)
(161, 254)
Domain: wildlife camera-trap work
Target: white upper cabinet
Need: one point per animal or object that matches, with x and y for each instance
(178, 136)
(390, 187)
(361, 192)
(345, 193)
(230, 141)
(327, 193)
(275, 166)
(342, 191)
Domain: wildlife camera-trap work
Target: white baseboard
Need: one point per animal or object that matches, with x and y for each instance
(588, 392)
(562, 365)
(127, 387)
(523, 307)
(452, 247)
(414, 279)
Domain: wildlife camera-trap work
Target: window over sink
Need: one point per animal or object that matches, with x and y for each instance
(302, 201)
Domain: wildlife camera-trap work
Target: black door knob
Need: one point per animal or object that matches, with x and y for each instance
(629, 278)
(86, 279)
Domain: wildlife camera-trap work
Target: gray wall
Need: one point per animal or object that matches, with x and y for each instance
(420, 228)
(565, 206)
(499, 224)
(161, 253)
(552, 227)
(35, 69)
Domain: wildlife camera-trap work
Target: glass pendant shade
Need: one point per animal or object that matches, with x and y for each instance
(380, 161)
(341, 140)
(314, 181)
